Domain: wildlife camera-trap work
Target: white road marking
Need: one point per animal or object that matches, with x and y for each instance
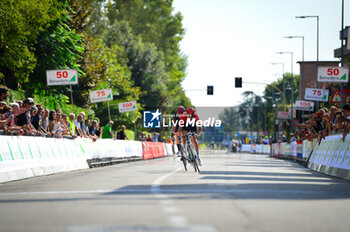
(171, 209)
(158, 181)
(178, 221)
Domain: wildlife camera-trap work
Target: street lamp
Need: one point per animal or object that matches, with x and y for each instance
(318, 36)
(292, 85)
(266, 99)
(302, 74)
(284, 84)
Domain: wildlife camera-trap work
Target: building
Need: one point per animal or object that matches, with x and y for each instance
(310, 75)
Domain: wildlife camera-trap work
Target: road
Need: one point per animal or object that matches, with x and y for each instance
(234, 192)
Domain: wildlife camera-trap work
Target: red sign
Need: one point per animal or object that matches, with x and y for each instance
(336, 97)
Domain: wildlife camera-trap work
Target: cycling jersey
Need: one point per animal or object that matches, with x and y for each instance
(186, 119)
(176, 120)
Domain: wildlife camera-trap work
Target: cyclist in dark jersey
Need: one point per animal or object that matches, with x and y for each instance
(175, 129)
(191, 115)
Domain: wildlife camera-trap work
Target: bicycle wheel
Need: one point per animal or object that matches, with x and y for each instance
(184, 159)
(195, 164)
(191, 157)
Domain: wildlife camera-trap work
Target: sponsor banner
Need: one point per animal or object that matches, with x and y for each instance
(153, 150)
(304, 105)
(127, 106)
(62, 77)
(283, 115)
(333, 74)
(246, 147)
(101, 95)
(316, 94)
(332, 152)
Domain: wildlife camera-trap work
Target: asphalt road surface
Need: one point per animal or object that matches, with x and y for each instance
(234, 192)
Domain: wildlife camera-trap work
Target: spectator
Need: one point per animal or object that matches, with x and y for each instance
(149, 138)
(332, 114)
(93, 128)
(71, 124)
(58, 129)
(20, 103)
(155, 137)
(346, 112)
(45, 121)
(4, 93)
(65, 120)
(6, 116)
(2, 104)
(98, 130)
(78, 123)
(24, 118)
(107, 131)
(86, 127)
(52, 118)
(122, 134)
(35, 118)
(82, 124)
(58, 111)
(347, 100)
(142, 137)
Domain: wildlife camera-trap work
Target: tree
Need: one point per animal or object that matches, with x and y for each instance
(21, 22)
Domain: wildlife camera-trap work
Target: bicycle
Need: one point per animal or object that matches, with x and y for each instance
(191, 156)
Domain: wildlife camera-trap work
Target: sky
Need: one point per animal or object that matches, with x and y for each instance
(240, 38)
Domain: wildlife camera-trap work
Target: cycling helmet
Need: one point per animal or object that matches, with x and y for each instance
(190, 110)
(180, 110)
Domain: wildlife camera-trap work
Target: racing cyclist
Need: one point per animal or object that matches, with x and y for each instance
(188, 127)
(175, 129)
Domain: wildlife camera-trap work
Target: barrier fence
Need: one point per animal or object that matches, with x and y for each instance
(22, 157)
(332, 156)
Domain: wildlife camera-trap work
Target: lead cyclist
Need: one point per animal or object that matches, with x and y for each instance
(186, 127)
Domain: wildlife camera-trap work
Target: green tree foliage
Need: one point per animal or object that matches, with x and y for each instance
(21, 22)
(150, 34)
(230, 119)
(131, 46)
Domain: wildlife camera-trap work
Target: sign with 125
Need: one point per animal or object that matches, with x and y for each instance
(332, 74)
(316, 94)
(127, 106)
(101, 95)
(283, 115)
(62, 77)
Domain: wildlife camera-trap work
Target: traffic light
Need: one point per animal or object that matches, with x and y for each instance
(210, 90)
(238, 82)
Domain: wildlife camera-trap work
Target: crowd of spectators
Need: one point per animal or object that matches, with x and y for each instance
(27, 118)
(323, 123)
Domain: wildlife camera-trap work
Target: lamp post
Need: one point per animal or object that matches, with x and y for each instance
(284, 83)
(342, 51)
(266, 98)
(292, 85)
(302, 73)
(318, 36)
